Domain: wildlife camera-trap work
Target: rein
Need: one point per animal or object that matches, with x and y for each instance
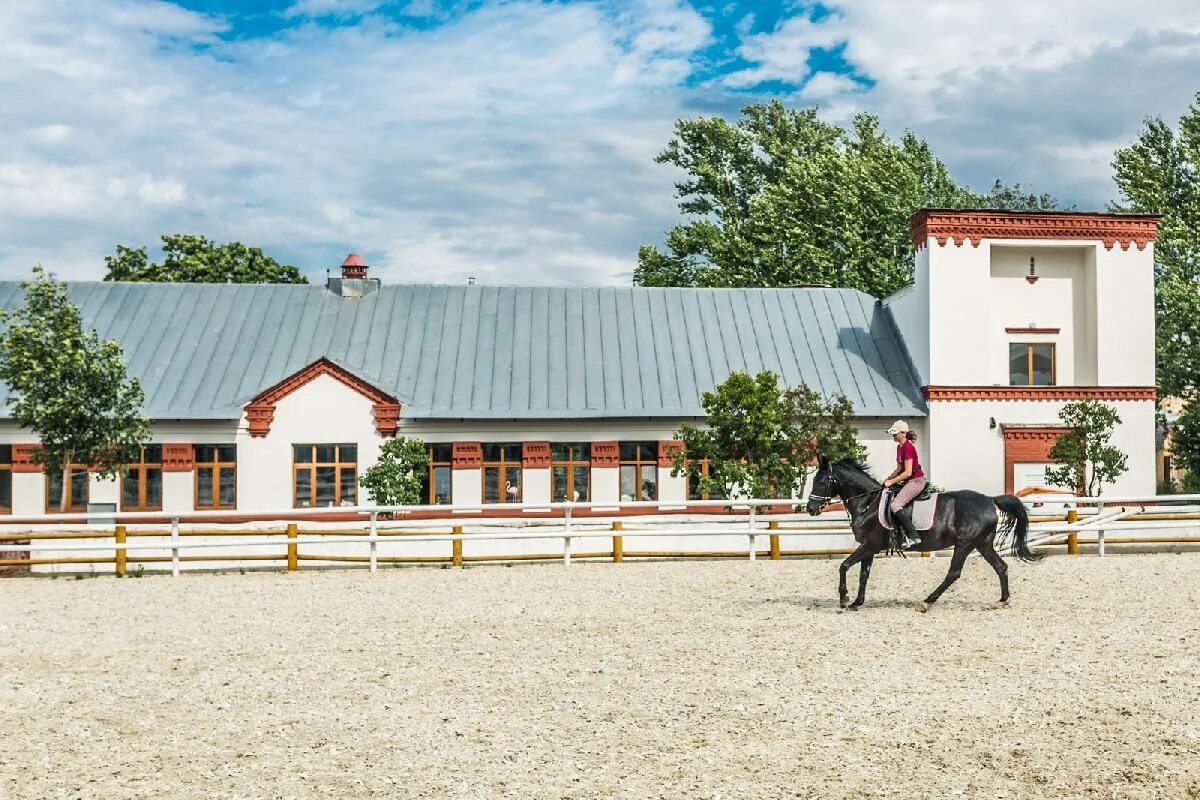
(825, 500)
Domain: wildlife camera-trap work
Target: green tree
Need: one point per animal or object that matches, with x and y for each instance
(1085, 456)
(69, 386)
(195, 259)
(1185, 446)
(1160, 174)
(1015, 198)
(759, 437)
(395, 479)
(782, 198)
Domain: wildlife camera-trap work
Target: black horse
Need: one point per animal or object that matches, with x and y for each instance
(965, 520)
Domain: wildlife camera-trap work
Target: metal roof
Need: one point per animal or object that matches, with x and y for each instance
(202, 351)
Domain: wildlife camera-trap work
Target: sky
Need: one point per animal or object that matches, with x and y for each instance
(514, 142)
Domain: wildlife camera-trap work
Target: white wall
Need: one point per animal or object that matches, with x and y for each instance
(1125, 316)
(910, 311)
(970, 455)
(959, 338)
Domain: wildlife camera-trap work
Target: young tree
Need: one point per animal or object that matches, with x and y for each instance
(195, 259)
(68, 386)
(1185, 445)
(759, 438)
(782, 197)
(1160, 174)
(395, 479)
(1084, 455)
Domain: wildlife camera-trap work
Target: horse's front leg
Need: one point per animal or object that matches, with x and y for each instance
(858, 555)
(864, 572)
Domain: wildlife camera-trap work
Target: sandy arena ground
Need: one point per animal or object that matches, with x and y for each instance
(652, 680)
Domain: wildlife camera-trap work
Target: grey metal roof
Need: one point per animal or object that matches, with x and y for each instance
(202, 351)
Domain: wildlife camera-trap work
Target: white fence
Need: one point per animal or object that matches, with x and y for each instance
(508, 532)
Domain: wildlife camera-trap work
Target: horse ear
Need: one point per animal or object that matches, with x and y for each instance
(822, 461)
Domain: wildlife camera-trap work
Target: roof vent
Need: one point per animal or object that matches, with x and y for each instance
(354, 281)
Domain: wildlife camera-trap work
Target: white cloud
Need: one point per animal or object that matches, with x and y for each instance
(331, 8)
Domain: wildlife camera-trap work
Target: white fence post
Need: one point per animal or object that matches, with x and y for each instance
(174, 547)
(1100, 542)
(374, 538)
(753, 538)
(567, 531)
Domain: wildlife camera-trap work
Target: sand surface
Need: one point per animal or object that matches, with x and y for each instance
(637, 680)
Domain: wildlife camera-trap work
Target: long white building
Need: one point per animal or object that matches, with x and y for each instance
(268, 397)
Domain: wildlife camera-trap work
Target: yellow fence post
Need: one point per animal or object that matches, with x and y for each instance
(293, 556)
(120, 537)
(1072, 536)
(618, 543)
(456, 550)
(774, 526)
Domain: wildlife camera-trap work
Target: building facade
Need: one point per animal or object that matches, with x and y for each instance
(265, 398)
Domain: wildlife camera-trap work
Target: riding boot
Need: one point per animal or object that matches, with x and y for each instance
(904, 524)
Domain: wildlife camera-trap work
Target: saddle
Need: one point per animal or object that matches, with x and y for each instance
(924, 510)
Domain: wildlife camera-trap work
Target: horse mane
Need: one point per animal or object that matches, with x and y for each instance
(859, 465)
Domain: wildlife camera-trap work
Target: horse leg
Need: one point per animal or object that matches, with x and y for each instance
(988, 551)
(864, 572)
(961, 551)
(855, 557)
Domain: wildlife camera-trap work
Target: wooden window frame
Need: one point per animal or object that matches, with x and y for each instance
(1029, 346)
(214, 467)
(503, 465)
(570, 464)
(428, 493)
(142, 467)
(704, 465)
(647, 456)
(338, 464)
(6, 473)
(72, 506)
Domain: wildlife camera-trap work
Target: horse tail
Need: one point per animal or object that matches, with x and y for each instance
(1015, 525)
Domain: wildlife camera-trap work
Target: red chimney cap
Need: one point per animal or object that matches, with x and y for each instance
(354, 260)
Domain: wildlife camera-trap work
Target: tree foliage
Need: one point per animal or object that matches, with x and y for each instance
(195, 259)
(1185, 445)
(1160, 174)
(1085, 455)
(69, 386)
(1015, 198)
(782, 198)
(759, 437)
(395, 479)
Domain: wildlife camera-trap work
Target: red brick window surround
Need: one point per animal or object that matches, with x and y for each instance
(1027, 444)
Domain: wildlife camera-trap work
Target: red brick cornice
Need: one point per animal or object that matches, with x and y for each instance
(976, 225)
(260, 411)
(535, 455)
(22, 458)
(466, 455)
(1039, 433)
(1032, 330)
(606, 454)
(178, 457)
(667, 448)
(950, 393)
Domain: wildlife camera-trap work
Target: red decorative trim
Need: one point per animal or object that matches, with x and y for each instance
(260, 412)
(178, 457)
(667, 449)
(606, 454)
(466, 455)
(936, 393)
(977, 225)
(535, 455)
(1032, 330)
(1024, 444)
(22, 458)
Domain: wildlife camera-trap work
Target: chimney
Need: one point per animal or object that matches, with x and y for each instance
(353, 281)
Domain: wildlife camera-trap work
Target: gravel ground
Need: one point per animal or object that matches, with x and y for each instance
(678, 679)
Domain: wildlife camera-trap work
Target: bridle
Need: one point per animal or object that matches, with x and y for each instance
(825, 500)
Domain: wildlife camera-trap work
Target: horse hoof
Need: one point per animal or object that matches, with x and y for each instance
(921, 606)
(999, 605)
(845, 604)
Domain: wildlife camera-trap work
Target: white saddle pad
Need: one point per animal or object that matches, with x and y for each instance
(923, 513)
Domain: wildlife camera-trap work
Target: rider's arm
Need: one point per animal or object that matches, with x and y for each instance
(900, 474)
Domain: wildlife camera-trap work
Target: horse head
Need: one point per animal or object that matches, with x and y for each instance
(824, 487)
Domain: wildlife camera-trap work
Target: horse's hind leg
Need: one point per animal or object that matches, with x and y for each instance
(988, 551)
(864, 572)
(956, 567)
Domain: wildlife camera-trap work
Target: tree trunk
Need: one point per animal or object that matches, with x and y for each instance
(66, 484)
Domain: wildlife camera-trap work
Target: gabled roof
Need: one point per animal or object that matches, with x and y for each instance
(203, 351)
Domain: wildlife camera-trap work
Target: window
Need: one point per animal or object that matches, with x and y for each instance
(435, 486)
(77, 490)
(141, 483)
(216, 476)
(639, 471)
(325, 474)
(694, 492)
(570, 472)
(1031, 364)
(502, 473)
(5, 478)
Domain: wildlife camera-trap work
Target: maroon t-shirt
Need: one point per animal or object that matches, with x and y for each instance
(906, 451)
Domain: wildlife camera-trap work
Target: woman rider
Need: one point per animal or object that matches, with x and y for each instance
(911, 479)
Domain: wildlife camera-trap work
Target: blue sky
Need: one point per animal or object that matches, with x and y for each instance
(514, 141)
